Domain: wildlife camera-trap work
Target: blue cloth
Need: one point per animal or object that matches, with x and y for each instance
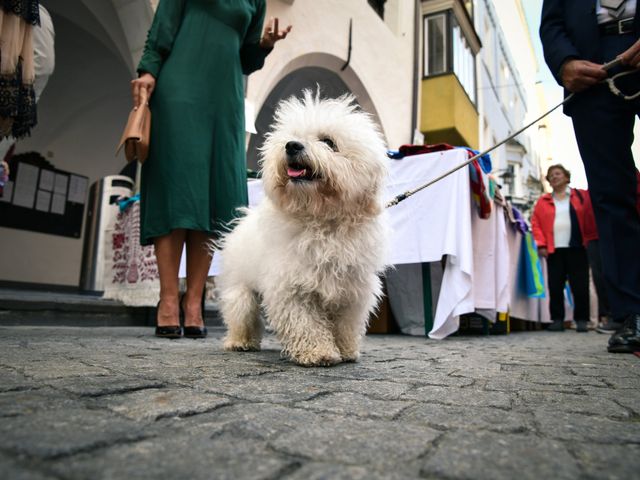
(484, 160)
(531, 268)
(126, 202)
(521, 223)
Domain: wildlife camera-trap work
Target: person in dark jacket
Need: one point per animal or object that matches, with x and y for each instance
(557, 225)
(578, 37)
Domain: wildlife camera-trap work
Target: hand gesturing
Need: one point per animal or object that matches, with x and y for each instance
(272, 34)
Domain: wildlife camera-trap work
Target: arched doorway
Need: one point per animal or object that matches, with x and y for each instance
(330, 84)
(311, 71)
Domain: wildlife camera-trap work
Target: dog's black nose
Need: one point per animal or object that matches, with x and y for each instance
(293, 148)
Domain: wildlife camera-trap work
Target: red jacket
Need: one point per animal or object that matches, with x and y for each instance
(590, 230)
(544, 216)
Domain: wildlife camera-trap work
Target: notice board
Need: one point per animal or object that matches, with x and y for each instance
(44, 199)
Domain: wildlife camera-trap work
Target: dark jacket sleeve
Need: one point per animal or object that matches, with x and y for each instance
(161, 36)
(556, 43)
(252, 56)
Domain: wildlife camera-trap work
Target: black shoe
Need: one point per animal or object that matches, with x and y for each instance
(627, 340)
(581, 326)
(193, 332)
(556, 326)
(610, 327)
(168, 331)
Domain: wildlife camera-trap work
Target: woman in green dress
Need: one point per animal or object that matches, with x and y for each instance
(196, 54)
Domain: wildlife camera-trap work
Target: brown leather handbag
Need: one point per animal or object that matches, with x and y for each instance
(135, 138)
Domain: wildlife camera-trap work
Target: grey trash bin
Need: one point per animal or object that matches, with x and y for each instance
(101, 215)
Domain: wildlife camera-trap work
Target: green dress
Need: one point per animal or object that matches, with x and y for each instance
(195, 175)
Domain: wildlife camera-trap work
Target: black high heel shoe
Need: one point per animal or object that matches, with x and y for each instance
(194, 332)
(167, 331)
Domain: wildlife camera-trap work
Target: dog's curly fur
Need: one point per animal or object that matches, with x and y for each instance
(313, 250)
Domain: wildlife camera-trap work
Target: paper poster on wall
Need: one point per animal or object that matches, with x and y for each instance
(77, 189)
(58, 203)
(7, 193)
(60, 184)
(43, 200)
(46, 180)
(25, 188)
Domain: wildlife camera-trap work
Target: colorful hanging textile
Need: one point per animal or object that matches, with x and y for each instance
(17, 71)
(534, 281)
(479, 189)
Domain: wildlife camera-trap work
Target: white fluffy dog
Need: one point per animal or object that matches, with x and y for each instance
(311, 252)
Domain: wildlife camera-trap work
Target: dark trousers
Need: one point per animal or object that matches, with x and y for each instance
(569, 264)
(595, 262)
(603, 125)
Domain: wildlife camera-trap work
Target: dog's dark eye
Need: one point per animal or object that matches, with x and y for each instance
(330, 143)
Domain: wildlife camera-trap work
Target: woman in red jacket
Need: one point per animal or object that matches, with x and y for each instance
(558, 230)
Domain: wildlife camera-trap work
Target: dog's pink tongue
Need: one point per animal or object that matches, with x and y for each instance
(293, 173)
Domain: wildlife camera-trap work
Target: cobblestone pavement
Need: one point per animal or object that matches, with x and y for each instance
(118, 403)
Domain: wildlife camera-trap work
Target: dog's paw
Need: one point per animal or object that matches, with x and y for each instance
(317, 360)
(236, 346)
(350, 357)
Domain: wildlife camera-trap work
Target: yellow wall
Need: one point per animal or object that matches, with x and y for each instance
(447, 114)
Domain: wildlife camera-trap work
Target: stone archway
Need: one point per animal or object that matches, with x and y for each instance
(308, 72)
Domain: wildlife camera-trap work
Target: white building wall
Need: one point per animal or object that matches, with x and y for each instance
(380, 72)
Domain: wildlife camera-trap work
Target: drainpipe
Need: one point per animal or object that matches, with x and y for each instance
(416, 67)
(350, 45)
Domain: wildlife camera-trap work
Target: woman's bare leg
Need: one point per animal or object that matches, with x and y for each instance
(168, 250)
(198, 263)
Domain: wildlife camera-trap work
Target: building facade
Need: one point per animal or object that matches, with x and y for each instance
(478, 88)
(363, 47)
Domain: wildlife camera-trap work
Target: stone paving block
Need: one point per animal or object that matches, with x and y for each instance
(326, 471)
(154, 403)
(568, 426)
(469, 396)
(52, 433)
(251, 420)
(12, 380)
(509, 382)
(446, 417)
(622, 382)
(557, 401)
(29, 402)
(380, 390)
(494, 456)
(101, 385)
(552, 377)
(186, 456)
(379, 444)
(605, 371)
(40, 370)
(627, 397)
(21, 470)
(282, 387)
(615, 462)
(355, 404)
